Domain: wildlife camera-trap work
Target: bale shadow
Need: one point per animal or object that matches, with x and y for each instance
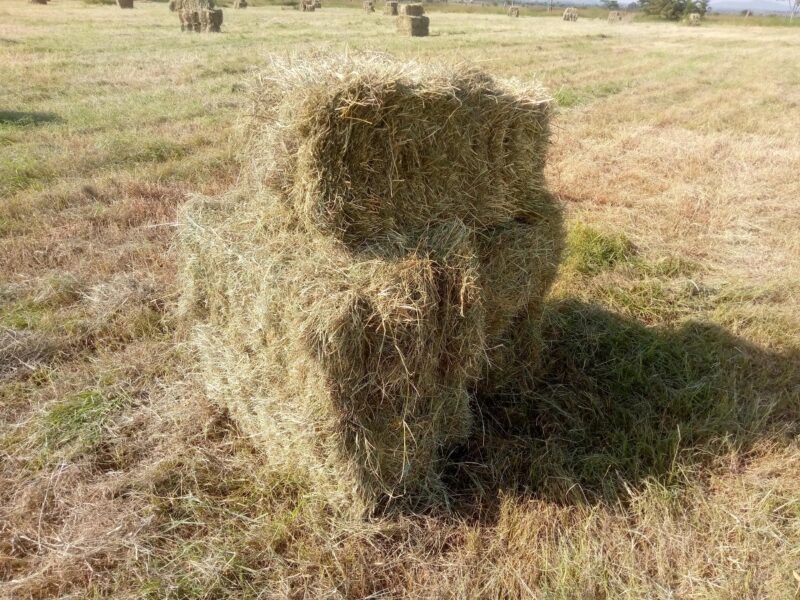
(617, 403)
(23, 119)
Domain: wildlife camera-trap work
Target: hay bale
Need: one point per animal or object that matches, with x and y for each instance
(570, 14)
(614, 16)
(369, 6)
(412, 10)
(513, 11)
(239, 3)
(37, 1)
(317, 4)
(308, 6)
(125, 3)
(413, 26)
(390, 229)
(390, 8)
(173, 5)
(211, 20)
(694, 19)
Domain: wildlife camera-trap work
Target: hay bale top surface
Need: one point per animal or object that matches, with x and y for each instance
(365, 146)
(412, 10)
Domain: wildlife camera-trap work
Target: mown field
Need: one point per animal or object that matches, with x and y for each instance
(661, 456)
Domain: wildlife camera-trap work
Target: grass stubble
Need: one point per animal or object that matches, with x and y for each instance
(659, 456)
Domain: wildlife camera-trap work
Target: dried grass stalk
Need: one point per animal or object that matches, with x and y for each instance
(390, 230)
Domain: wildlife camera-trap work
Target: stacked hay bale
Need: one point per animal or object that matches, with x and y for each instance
(412, 20)
(240, 4)
(211, 20)
(125, 3)
(390, 233)
(369, 6)
(614, 16)
(694, 19)
(570, 14)
(513, 11)
(198, 15)
(390, 8)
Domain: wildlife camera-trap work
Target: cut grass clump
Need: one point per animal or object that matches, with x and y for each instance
(392, 232)
(590, 251)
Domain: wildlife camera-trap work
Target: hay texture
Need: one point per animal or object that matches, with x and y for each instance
(240, 4)
(125, 3)
(513, 11)
(390, 8)
(211, 20)
(614, 16)
(694, 19)
(369, 6)
(570, 14)
(391, 231)
(412, 10)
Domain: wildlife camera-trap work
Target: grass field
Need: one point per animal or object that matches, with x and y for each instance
(661, 457)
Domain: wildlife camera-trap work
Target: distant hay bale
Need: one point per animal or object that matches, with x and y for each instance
(37, 1)
(513, 11)
(570, 14)
(308, 6)
(198, 15)
(125, 3)
(390, 8)
(415, 9)
(211, 20)
(317, 4)
(369, 6)
(346, 296)
(694, 19)
(413, 26)
(239, 3)
(614, 16)
(173, 5)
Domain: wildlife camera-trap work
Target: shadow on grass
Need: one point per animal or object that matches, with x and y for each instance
(23, 119)
(617, 404)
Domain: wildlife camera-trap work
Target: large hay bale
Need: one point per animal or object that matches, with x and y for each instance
(125, 3)
(614, 16)
(239, 3)
(513, 11)
(412, 10)
(390, 8)
(413, 26)
(570, 14)
(369, 6)
(694, 19)
(391, 229)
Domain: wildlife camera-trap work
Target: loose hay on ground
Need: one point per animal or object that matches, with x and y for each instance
(391, 232)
